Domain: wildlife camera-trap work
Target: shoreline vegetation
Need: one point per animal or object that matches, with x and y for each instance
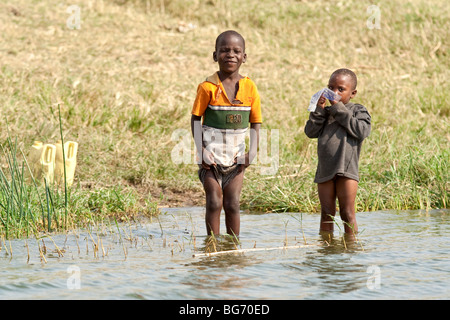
(122, 81)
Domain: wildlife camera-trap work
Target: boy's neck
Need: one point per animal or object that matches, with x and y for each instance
(234, 76)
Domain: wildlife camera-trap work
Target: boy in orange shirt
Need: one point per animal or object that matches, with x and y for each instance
(228, 103)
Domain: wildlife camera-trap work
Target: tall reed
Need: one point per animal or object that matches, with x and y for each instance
(17, 199)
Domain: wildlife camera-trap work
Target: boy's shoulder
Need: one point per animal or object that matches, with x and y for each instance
(211, 83)
(215, 80)
(357, 108)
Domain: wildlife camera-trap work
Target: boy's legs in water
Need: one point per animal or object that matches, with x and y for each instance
(344, 189)
(229, 199)
(214, 201)
(346, 193)
(231, 204)
(327, 197)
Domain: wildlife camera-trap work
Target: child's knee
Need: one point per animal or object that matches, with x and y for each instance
(231, 205)
(213, 204)
(347, 215)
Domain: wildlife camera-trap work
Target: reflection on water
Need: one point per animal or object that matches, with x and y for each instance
(399, 254)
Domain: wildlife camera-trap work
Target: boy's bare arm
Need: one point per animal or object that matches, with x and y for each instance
(196, 130)
(204, 157)
(248, 157)
(254, 141)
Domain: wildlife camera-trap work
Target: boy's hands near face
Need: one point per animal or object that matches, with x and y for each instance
(333, 102)
(321, 102)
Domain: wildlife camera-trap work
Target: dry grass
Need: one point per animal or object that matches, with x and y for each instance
(127, 79)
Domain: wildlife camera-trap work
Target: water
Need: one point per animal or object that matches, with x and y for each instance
(400, 255)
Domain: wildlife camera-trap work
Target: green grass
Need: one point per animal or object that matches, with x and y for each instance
(127, 79)
(29, 206)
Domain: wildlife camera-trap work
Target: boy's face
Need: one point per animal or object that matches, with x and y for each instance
(343, 85)
(230, 53)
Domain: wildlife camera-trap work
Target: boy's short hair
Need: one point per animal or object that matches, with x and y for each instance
(229, 32)
(346, 72)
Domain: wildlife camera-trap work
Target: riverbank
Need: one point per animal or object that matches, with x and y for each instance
(125, 73)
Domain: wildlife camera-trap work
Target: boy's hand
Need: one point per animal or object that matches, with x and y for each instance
(207, 159)
(321, 102)
(244, 161)
(333, 102)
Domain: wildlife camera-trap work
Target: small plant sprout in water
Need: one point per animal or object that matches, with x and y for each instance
(301, 225)
(285, 232)
(351, 236)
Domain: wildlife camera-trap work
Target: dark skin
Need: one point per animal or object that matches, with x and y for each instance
(229, 54)
(342, 85)
(342, 188)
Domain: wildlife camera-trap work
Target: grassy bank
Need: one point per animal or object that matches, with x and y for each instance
(30, 205)
(126, 80)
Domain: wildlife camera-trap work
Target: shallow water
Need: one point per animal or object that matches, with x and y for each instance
(399, 255)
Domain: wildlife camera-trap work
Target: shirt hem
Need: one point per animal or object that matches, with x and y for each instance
(331, 177)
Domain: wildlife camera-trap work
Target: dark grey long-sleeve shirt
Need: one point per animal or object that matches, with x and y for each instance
(340, 130)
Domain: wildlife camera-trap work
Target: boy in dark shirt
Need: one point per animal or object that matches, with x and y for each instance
(340, 129)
